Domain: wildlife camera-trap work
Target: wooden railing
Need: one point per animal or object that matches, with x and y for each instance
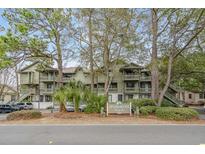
(145, 90)
(131, 89)
(131, 76)
(101, 89)
(146, 78)
(47, 78)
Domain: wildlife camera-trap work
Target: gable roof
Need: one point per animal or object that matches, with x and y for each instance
(48, 68)
(71, 69)
(8, 87)
(28, 66)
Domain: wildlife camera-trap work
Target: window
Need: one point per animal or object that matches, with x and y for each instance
(142, 85)
(48, 98)
(130, 96)
(49, 86)
(130, 84)
(120, 97)
(201, 95)
(30, 75)
(41, 98)
(190, 96)
(13, 97)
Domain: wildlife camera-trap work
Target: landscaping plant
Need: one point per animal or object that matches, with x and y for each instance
(24, 115)
(172, 113)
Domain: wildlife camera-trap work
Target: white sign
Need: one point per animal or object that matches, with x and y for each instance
(119, 108)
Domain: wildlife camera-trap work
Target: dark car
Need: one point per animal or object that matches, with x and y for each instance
(6, 109)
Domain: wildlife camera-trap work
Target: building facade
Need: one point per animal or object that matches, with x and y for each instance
(128, 81)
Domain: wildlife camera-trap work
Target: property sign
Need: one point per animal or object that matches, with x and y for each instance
(119, 108)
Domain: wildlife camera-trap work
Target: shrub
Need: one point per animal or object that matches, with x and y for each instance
(94, 103)
(141, 102)
(24, 115)
(146, 110)
(171, 113)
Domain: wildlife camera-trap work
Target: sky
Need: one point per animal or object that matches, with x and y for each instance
(4, 23)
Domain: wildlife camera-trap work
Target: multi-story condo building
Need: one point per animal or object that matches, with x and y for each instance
(128, 81)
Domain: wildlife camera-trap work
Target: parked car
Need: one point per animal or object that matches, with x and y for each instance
(70, 108)
(82, 107)
(6, 108)
(25, 106)
(15, 107)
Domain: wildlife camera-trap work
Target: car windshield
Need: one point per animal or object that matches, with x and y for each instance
(29, 103)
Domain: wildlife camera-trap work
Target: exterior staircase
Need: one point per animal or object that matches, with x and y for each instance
(23, 96)
(173, 99)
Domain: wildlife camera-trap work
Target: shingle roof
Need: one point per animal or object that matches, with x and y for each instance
(70, 69)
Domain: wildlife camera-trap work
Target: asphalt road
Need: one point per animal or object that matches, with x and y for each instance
(103, 134)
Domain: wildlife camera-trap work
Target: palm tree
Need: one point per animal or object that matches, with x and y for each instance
(74, 92)
(60, 97)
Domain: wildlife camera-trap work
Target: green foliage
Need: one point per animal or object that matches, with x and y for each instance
(170, 113)
(141, 102)
(147, 110)
(95, 103)
(74, 92)
(60, 96)
(24, 115)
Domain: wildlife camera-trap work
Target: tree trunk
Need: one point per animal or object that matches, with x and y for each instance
(62, 107)
(91, 49)
(59, 61)
(106, 64)
(154, 68)
(17, 82)
(169, 71)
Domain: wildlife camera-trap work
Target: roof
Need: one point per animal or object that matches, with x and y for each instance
(8, 87)
(28, 66)
(48, 68)
(131, 66)
(71, 69)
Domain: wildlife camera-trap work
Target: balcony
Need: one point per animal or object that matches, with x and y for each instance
(47, 91)
(66, 79)
(145, 90)
(131, 89)
(28, 81)
(131, 77)
(101, 89)
(28, 91)
(48, 78)
(145, 78)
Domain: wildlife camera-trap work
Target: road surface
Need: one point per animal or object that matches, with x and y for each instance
(103, 134)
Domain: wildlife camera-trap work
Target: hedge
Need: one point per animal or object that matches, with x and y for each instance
(141, 102)
(171, 113)
(146, 110)
(24, 115)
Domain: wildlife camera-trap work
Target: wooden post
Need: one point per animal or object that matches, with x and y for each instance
(107, 110)
(130, 109)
